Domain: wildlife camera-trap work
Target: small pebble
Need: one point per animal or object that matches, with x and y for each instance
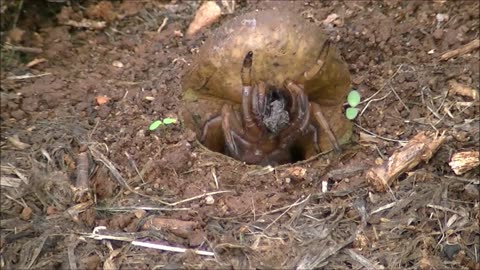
(209, 200)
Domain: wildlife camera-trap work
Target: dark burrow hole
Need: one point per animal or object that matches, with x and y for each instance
(276, 117)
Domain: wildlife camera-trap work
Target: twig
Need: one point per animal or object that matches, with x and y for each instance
(439, 207)
(378, 136)
(82, 171)
(72, 244)
(198, 197)
(169, 248)
(132, 162)
(370, 101)
(86, 23)
(472, 45)
(162, 25)
(399, 99)
(116, 174)
(420, 148)
(463, 162)
(214, 177)
(28, 76)
(97, 236)
(384, 85)
(284, 212)
(6, 181)
(362, 260)
(385, 207)
(260, 171)
(285, 207)
(23, 49)
(463, 90)
(146, 208)
(93, 130)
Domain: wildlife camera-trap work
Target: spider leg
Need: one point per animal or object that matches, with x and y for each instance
(209, 125)
(258, 104)
(315, 137)
(302, 115)
(235, 138)
(322, 121)
(246, 72)
(212, 135)
(251, 104)
(250, 124)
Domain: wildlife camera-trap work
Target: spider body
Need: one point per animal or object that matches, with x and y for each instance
(267, 88)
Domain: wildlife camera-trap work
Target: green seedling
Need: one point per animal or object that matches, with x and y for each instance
(351, 113)
(166, 121)
(353, 100)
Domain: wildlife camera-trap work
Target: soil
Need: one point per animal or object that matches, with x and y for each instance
(77, 153)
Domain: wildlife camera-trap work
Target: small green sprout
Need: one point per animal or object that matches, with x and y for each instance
(166, 121)
(351, 113)
(353, 100)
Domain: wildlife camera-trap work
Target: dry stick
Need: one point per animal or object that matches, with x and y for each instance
(133, 208)
(463, 162)
(419, 148)
(95, 235)
(372, 100)
(384, 85)
(463, 90)
(73, 242)
(399, 99)
(214, 177)
(198, 197)
(288, 209)
(472, 45)
(439, 207)
(362, 260)
(116, 174)
(162, 25)
(82, 171)
(169, 248)
(86, 23)
(36, 252)
(285, 207)
(23, 49)
(132, 162)
(378, 136)
(28, 76)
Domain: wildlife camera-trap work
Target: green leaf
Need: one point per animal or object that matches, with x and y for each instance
(168, 121)
(351, 113)
(155, 125)
(353, 98)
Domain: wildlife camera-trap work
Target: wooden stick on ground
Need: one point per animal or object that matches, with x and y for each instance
(472, 45)
(419, 148)
(463, 90)
(463, 162)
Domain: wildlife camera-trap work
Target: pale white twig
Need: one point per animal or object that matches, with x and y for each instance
(169, 248)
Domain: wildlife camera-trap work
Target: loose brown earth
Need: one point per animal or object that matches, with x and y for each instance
(252, 217)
